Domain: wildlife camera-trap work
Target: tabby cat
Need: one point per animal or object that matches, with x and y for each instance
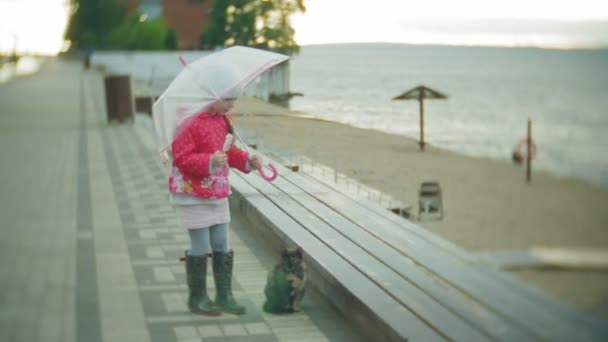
(286, 283)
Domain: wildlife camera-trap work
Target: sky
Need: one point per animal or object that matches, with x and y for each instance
(36, 25)
(548, 23)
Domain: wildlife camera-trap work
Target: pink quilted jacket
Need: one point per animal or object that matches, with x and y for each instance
(192, 150)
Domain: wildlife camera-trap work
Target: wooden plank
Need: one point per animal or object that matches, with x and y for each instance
(576, 258)
(394, 315)
(500, 298)
(456, 301)
(237, 181)
(449, 324)
(461, 275)
(504, 279)
(460, 303)
(305, 182)
(501, 279)
(256, 181)
(429, 296)
(548, 257)
(498, 285)
(378, 210)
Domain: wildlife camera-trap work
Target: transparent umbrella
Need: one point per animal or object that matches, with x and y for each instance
(220, 75)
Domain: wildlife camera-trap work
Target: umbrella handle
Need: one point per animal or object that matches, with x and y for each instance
(271, 177)
(183, 60)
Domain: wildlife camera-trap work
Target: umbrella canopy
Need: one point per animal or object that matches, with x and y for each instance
(421, 93)
(220, 75)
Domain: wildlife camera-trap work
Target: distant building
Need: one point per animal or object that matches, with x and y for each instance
(187, 17)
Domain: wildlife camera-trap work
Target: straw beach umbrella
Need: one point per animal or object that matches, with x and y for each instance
(420, 93)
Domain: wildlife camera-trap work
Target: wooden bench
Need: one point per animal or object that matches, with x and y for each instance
(394, 279)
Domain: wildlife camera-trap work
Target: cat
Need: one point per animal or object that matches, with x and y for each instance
(286, 283)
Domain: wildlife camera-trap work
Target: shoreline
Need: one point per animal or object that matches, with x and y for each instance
(256, 107)
(489, 207)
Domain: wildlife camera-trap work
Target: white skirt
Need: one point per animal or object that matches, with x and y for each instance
(197, 216)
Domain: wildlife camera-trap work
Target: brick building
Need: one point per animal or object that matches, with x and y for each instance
(187, 17)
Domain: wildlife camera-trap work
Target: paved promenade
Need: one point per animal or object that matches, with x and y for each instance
(89, 245)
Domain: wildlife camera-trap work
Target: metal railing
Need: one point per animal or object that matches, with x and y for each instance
(326, 174)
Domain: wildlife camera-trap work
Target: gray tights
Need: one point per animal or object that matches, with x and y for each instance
(216, 235)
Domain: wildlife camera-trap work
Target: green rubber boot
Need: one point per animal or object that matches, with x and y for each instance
(198, 300)
(222, 274)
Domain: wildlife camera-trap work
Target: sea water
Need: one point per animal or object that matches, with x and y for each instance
(492, 92)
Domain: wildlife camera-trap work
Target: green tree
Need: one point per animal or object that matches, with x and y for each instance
(215, 33)
(171, 42)
(150, 35)
(92, 21)
(138, 34)
(101, 24)
(261, 23)
(276, 31)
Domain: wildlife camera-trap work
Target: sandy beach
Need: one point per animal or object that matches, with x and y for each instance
(488, 205)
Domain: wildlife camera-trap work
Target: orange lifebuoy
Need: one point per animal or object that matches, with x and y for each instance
(521, 147)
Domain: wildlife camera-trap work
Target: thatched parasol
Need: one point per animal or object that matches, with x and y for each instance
(420, 93)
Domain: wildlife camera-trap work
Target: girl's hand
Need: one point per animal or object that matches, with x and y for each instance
(218, 159)
(256, 162)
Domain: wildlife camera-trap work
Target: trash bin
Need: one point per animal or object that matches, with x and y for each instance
(119, 102)
(143, 104)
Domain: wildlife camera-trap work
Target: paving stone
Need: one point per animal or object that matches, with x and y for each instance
(146, 234)
(233, 330)
(258, 328)
(189, 339)
(163, 274)
(210, 331)
(155, 252)
(184, 332)
(163, 319)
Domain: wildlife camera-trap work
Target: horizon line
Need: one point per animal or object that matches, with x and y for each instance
(472, 45)
(604, 46)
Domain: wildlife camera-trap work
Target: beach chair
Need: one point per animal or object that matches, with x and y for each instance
(430, 202)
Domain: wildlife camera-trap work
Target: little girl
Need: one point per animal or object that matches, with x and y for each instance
(199, 190)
